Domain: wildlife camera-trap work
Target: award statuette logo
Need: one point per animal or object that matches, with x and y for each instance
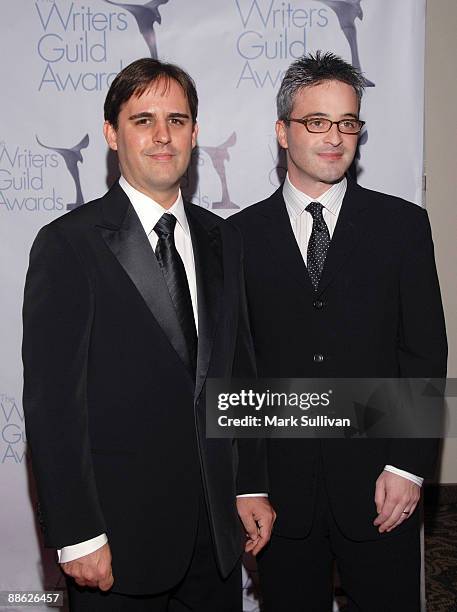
(219, 155)
(347, 11)
(146, 16)
(71, 158)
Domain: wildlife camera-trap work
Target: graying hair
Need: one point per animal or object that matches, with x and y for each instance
(311, 70)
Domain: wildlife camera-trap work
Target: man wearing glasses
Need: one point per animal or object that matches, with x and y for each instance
(341, 282)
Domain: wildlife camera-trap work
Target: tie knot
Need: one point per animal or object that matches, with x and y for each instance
(315, 210)
(165, 225)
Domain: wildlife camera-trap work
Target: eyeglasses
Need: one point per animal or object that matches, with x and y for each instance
(318, 125)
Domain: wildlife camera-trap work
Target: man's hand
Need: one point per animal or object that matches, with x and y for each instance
(93, 570)
(396, 499)
(257, 516)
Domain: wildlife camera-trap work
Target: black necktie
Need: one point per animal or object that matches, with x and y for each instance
(175, 276)
(319, 242)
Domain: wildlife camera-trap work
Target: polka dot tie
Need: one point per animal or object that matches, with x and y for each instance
(318, 243)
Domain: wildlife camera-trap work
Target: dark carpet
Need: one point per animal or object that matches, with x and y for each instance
(440, 521)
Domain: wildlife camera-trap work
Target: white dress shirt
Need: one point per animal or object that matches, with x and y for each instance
(149, 212)
(302, 221)
(302, 225)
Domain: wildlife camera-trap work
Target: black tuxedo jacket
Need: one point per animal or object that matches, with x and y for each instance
(115, 420)
(377, 313)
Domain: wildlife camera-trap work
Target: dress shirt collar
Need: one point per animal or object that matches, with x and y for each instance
(297, 201)
(149, 211)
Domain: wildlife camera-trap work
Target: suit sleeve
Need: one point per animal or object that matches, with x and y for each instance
(57, 315)
(422, 345)
(252, 465)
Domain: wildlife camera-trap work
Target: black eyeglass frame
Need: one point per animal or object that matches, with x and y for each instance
(304, 122)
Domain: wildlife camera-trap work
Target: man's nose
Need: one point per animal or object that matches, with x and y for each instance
(333, 136)
(162, 132)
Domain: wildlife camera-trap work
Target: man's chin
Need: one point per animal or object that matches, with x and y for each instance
(330, 174)
(333, 179)
(165, 181)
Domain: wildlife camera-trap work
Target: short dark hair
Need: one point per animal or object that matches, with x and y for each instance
(137, 77)
(311, 70)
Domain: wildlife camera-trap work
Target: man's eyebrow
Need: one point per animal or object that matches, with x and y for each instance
(315, 115)
(148, 115)
(140, 116)
(181, 115)
(327, 115)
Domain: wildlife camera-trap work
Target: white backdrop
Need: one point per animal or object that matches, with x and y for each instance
(59, 57)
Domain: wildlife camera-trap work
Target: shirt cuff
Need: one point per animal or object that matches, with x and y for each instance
(416, 479)
(253, 495)
(70, 553)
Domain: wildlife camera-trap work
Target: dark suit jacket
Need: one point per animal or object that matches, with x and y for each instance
(115, 420)
(377, 313)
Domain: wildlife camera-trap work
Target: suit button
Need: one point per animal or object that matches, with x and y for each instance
(318, 304)
(318, 358)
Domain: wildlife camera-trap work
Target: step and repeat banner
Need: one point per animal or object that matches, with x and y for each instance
(58, 60)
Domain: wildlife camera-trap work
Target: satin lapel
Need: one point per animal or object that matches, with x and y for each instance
(131, 247)
(347, 233)
(278, 230)
(207, 247)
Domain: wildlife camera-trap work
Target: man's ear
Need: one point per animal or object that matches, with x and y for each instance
(110, 135)
(194, 134)
(281, 133)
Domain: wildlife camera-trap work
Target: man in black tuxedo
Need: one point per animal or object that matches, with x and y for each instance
(341, 282)
(131, 302)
